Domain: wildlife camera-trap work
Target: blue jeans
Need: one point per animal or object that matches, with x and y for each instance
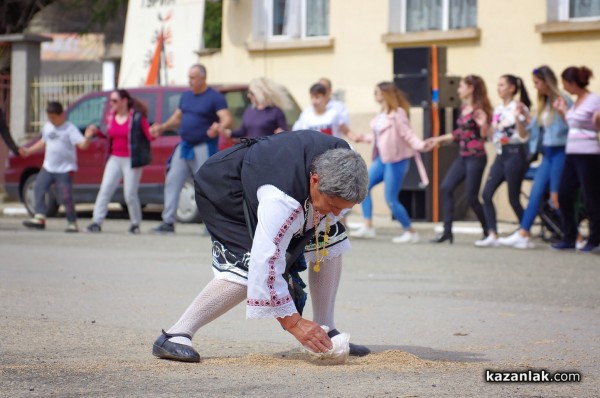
(548, 172)
(392, 175)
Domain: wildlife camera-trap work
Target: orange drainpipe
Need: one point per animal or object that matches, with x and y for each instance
(435, 118)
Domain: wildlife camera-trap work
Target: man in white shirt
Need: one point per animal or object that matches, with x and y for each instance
(260, 202)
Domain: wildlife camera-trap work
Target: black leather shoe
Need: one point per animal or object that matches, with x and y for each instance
(446, 236)
(355, 349)
(165, 349)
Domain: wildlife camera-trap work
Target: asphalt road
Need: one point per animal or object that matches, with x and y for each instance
(79, 313)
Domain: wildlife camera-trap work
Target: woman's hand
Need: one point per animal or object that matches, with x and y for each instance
(156, 130)
(430, 144)
(90, 131)
(522, 113)
(480, 117)
(308, 333)
(560, 105)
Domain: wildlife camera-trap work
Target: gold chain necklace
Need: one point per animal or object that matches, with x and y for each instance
(316, 220)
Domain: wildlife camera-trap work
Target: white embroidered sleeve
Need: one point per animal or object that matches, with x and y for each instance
(279, 218)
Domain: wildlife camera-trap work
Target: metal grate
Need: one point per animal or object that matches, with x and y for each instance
(64, 89)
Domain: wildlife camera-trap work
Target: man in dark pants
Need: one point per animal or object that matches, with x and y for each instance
(261, 199)
(202, 113)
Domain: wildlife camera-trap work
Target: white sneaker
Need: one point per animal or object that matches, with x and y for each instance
(517, 241)
(580, 244)
(407, 237)
(490, 241)
(355, 225)
(363, 232)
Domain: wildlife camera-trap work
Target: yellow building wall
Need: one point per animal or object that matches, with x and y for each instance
(359, 59)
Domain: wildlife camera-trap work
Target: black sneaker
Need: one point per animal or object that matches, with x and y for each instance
(164, 228)
(134, 229)
(35, 223)
(94, 227)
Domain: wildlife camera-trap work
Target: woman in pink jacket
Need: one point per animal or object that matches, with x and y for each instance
(394, 144)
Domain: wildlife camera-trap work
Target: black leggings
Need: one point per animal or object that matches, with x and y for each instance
(510, 166)
(470, 170)
(580, 171)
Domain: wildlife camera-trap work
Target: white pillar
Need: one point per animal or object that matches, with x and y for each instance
(108, 75)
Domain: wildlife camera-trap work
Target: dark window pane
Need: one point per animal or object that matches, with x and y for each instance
(423, 15)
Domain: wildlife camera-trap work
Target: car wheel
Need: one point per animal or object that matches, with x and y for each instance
(187, 211)
(28, 198)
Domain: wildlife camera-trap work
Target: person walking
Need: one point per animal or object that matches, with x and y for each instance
(129, 138)
(473, 129)
(264, 202)
(59, 139)
(582, 162)
(202, 114)
(336, 104)
(512, 155)
(547, 134)
(320, 117)
(395, 144)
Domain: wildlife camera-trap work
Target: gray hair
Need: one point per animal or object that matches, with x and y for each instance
(342, 173)
(200, 68)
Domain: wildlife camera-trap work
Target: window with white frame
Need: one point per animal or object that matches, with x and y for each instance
(290, 19)
(419, 15)
(578, 10)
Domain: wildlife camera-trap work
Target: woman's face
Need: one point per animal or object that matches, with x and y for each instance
(505, 90)
(378, 95)
(570, 87)
(540, 85)
(117, 104)
(464, 90)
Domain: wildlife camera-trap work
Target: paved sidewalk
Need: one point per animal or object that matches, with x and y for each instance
(79, 313)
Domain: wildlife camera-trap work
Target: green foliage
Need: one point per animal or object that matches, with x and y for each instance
(213, 19)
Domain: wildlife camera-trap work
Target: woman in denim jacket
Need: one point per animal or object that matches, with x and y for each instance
(547, 129)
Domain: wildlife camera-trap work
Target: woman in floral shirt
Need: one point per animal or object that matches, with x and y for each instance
(473, 126)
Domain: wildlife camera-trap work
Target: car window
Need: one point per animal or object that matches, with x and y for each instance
(170, 105)
(149, 99)
(237, 101)
(89, 111)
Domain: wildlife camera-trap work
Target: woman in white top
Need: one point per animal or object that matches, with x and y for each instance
(511, 140)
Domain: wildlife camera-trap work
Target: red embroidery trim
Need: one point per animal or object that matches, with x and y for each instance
(276, 301)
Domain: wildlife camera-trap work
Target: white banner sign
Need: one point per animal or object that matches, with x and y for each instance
(160, 43)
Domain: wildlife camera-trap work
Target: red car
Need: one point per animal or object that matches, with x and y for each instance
(21, 173)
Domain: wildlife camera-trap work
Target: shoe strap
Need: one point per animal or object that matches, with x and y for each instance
(333, 332)
(169, 335)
